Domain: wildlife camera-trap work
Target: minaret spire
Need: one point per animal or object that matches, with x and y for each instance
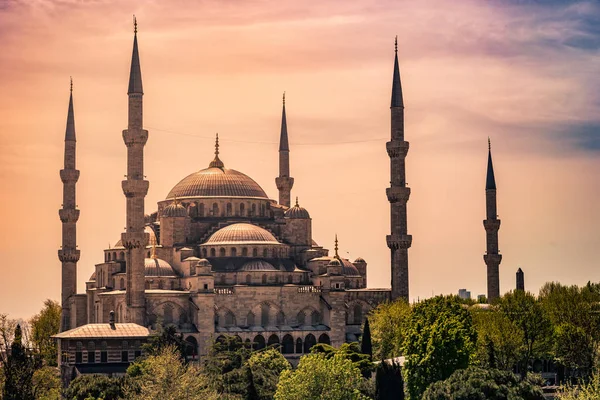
(135, 189)
(69, 214)
(216, 163)
(399, 241)
(491, 224)
(336, 247)
(284, 182)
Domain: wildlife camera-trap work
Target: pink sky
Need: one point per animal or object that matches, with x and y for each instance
(526, 75)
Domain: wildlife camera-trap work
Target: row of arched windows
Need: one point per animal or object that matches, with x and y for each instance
(304, 317)
(287, 345)
(114, 256)
(199, 210)
(276, 252)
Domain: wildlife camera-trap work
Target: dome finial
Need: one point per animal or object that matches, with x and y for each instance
(396, 44)
(153, 254)
(71, 84)
(297, 205)
(336, 247)
(489, 144)
(134, 25)
(284, 98)
(216, 163)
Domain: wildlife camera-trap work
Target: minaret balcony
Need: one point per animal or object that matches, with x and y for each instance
(397, 193)
(135, 240)
(492, 259)
(399, 242)
(491, 224)
(135, 136)
(69, 175)
(284, 182)
(397, 148)
(68, 255)
(68, 215)
(135, 188)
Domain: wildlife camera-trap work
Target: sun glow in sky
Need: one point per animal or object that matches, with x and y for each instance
(524, 73)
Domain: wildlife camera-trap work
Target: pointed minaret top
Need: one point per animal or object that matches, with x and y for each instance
(336, 247)
(70, 132)
(397, 100)
(135, 74)
(216, 163)
(490, 181)
(283, 138)
(297, 205)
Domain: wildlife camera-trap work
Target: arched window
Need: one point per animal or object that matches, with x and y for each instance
(229, 319)
(183, 318)
(309, 342)
(221, 252)
(242, 209)
(301, 318)
(259, 342)
(290, 278)
(228, 209)
(215, 210)
(147, 285)
(262, 210)
(273, 340)
(172, 285)
(315, 318)
(204, 253)
(115, 256)
(201, 210)
(250, 319)
(265, 253)
(248, 279)
(324, 338)
(233, 252)
(107, 256)
(264, 279)
(122, 283)
(122, 256)
(244, 252)
(253, 212)
(299, 346)
(264, 314)
(255, 252)
(276, 279)
(191, 348)
(357, 314)
(167, 314)
(280, 318)
(160, 284)
(287, 344)
(213, 252)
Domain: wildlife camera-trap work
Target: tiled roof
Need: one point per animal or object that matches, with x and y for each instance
(217, 182)
(104, 331)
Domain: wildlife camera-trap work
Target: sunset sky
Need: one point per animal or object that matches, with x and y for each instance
(525, 73)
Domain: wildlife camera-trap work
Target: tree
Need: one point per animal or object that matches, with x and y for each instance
(167, 337)
(526, 312)
(96, 387)
(321, 378)
(387, 323)
(389, 384)
(350, 351)
(477, 383)
(440, 338)
(264, 370)
(19, 370)
(584, 391)
(47, 384)
(43, 326)
(224, 364)
(366, 347)
(165, 376)
(499, 340)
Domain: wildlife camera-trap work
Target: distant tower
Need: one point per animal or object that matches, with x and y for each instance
(135, 188)
(284, 182)
(398, 193)
(520, 280)
(69, 214)
(491, 224)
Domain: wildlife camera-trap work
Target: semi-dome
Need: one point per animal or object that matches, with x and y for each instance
(157, 267)
(297, 212)
(174, 209)
(258, 265)
(360, 260)
(217, 182)
(349, 269)
(242, 233)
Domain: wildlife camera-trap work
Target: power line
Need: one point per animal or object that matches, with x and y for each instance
(264, 142)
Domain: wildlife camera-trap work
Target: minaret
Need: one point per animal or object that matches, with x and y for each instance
(491, 224)
(398, 193)
(135, 188)
(69, 214)
(520, 280)
(284, 182)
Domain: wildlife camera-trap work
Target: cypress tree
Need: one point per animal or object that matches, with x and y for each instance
(389, 384)
(366, 347)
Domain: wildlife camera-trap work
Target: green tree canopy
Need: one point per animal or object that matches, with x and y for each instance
(320, 378)
(386, 323)
(43, 325)
(96, 387)
(18, 370)
(265, 367)
(483, 384)
(440, 338)
(167, 337)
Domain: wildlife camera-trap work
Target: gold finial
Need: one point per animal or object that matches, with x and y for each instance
(284, 98)
(396, 44)
(216, 163)
(175, 200)
(297, 205)
(489, 144)
(71, 83)
(134, 25)
(336, 247)
(153, 254)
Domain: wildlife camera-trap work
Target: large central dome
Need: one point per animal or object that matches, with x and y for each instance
(217, 182)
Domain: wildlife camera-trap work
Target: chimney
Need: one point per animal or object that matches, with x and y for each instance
(111, 320)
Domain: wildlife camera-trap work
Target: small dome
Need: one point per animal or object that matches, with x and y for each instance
(93, 277)
(203, 263)
(360, 260)
(349, 269)
(334, 263)
(157, 267)
(297, 212)
(258, 265)
(174, 209)
(242, 233)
